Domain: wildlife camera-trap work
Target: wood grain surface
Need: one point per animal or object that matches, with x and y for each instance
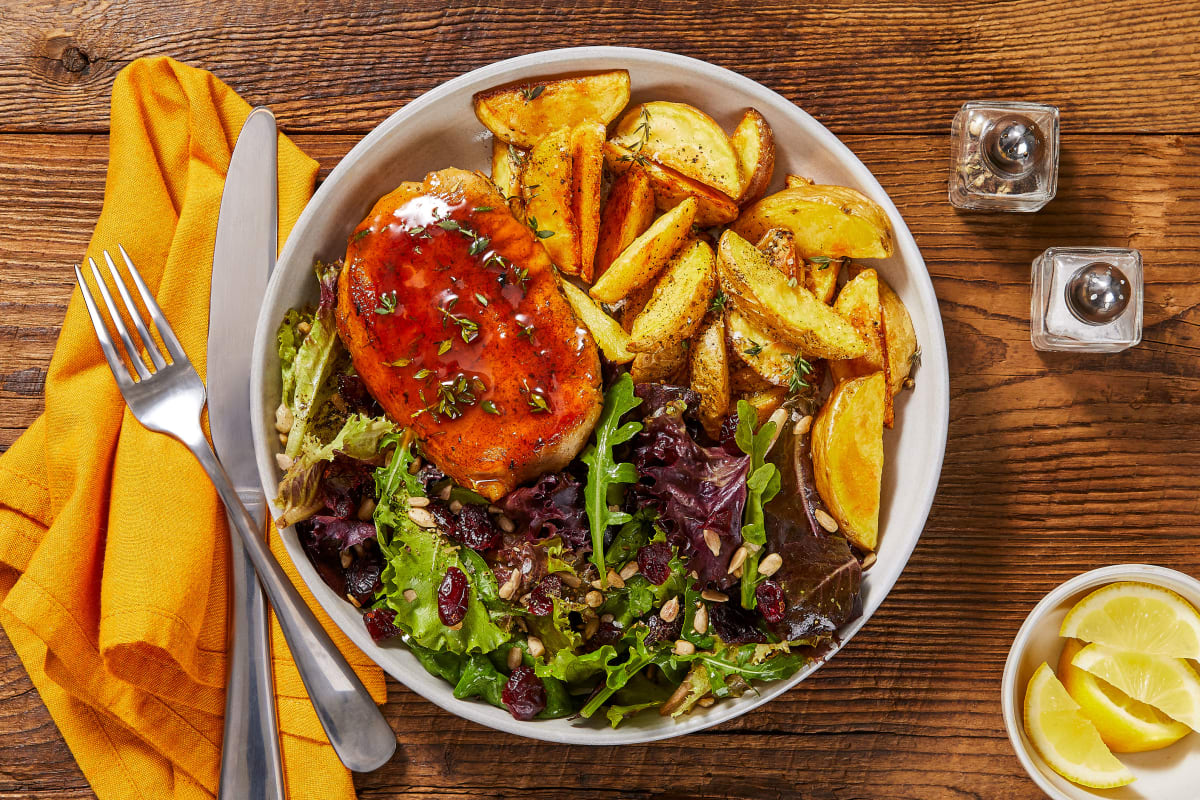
(1056, 463)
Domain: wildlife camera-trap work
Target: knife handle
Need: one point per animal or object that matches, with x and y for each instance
(360, 735)
(250, 762)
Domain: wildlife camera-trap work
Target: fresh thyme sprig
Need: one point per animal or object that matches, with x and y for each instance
(387, 303)
(468, 328)
(642, 131)
(532, 92)
(798, 374)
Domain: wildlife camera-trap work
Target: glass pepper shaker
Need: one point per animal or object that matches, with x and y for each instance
(1004, 156)
(1086, 299)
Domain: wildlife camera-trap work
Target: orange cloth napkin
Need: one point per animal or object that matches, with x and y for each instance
(113, 546)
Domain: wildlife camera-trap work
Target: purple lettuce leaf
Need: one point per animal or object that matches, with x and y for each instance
(553, 506)
(694, 488)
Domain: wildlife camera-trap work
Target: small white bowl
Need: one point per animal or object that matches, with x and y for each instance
(1172, 773)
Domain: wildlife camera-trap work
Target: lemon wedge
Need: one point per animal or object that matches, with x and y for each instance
(1137, 618)
(1065, 738)
(1168, 684)
(1126, 725)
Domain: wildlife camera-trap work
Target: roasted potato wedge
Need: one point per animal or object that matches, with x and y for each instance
(587, 155)
(627, 214)
(759, 348)
(546, 187)
(683, 138)
(507, 163)
(680, 300)
(668, 365)
(754, 142)
(847, 452)
(609, 335)
(899, 337)
(859, 302)
(671, 188)
(796, 181)
(743, 380)
(710, 374)
(821, 277)
(778, 245)
(633, 304)
(766, 401)
(763, 294)
(523, 114)
(828, 221)
(641, 262)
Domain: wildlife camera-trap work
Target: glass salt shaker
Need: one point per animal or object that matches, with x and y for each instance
(1086, 299)
(1004, 156)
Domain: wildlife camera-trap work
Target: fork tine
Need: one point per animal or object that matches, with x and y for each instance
(147, 340)
(107, 346)
(118, 323)
(160, 322)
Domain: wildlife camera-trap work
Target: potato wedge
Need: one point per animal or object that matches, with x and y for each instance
(523, 114)
(668, 365)
(671, 188)
(766, 401)
(710, 374)
(641, 262)
(507, 163)
(763, 293)
(627, 214)
(847, 451)
(754, 142)
(587, 155)
(680, 300)
(821, 277)
(899, 337)
(828, 221)
(683, 138)
(633, 304)
(859, 302)
(760, 349)
(778, 245)
(743, 380)
(546, 186)
(609, 335)
(796, 181)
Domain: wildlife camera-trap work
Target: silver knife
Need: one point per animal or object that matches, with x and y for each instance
(247, 231)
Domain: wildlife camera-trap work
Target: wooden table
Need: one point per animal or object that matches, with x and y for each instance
(1056, 463)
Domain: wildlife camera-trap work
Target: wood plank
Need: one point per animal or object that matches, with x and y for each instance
(1056, 464)
(876, 66)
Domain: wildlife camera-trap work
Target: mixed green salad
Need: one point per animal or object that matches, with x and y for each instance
(595, 592)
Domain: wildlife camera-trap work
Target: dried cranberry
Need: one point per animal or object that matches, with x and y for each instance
(381, 623)
(727, 435)
(541, 599)
(607, 633)
(443, 516)
(475, 528)
(771, 602)
(654, 561)
(663, 631)
(524, 694)
(452, 597)
(734, 624)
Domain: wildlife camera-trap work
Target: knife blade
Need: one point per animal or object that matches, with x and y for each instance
(243, 258)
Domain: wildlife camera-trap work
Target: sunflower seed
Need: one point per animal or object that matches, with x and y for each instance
(536, 648)
(515, 658)
(684, 648)
(410, 595)
(594, 599)
(739, 558)
(713, 540)
(700, 620)
(827, 522)
(422, 517)
(713, 596)
(770, 565)
(670, 610)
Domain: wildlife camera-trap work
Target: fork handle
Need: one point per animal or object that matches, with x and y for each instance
(360, 735)
(250, 762)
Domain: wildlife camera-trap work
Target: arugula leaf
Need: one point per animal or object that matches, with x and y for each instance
(312, 365)
(762, 485)
(417, 558)
(711, 670)
(603, 471)
(632, 536)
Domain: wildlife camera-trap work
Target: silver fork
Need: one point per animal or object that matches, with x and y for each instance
(168, 397)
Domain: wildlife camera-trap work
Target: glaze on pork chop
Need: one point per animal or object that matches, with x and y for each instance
(453, 316)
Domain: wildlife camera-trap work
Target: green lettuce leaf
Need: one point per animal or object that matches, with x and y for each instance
(311, 369)
(639, 596)
(299, 489)
(618, 714)
(762, 485)
(417, 559)
(605, 473)
(289, 338)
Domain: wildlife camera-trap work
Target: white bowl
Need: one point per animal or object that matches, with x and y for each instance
(1168, 774)
(438, 130)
